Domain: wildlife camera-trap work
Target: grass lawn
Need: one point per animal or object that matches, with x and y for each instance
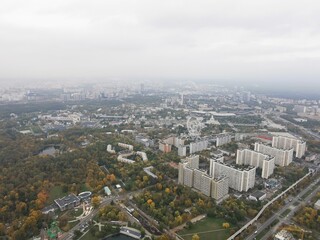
(89, 236)
(76, 212)
(56, 192)
(69, 226)
(207, 229)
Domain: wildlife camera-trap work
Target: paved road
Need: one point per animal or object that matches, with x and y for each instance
(284, 208)
(287, 219)
(264, 208)
(104, 202)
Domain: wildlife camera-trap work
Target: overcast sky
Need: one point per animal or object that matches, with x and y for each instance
(255, 41)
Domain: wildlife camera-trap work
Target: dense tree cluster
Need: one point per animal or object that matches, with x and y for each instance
(173, 205)
(308, 217)
(111, 213)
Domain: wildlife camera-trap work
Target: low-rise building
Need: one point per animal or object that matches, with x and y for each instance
(107, 190)
(258, 195)
(128, 146)
(67, 202)
(284, 235)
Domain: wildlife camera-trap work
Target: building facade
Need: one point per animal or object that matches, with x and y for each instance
(287, 143)
(223, 139)
(240, 179)
(219, 187)
(256, 159)
(282, 157)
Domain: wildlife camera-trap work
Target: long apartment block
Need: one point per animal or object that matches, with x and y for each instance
(287, 143)
(282, 157)
(257, 159)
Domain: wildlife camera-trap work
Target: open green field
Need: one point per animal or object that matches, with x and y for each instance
(56, 192)
(89, 236)
(207, 229)
(76, 212)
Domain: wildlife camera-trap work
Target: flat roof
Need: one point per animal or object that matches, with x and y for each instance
(71, 198)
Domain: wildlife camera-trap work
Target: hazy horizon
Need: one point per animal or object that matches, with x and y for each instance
(257, 43)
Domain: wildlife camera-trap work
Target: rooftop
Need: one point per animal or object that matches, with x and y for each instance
(61, 202)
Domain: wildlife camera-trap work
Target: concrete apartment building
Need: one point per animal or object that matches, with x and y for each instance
(123, 145)
(282, 157)
(240, 179)
(206, 181)
(164, 147)
(223, 139)
(256, 159)
(188, 176)
(193, 161)
(175, 141)
(219, 187)
(182, 151)
(197, 175)
(287, 143)
(198, 146)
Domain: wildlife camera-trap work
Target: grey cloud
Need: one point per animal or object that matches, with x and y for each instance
(125, 39)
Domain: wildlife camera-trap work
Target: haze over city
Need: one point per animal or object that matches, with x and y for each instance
(159, 120)
(252, 42)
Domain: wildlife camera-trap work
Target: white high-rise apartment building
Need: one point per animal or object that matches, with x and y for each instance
(223, 139)
(240, 179)
(182, 151)
(198, 146)
(257, 159)
(283, 157)
(188, 177)
(288, 143)
(200, 180)
(219, 187)
(193, 161)
(182, 166)
(197, 176)
(206, 184)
